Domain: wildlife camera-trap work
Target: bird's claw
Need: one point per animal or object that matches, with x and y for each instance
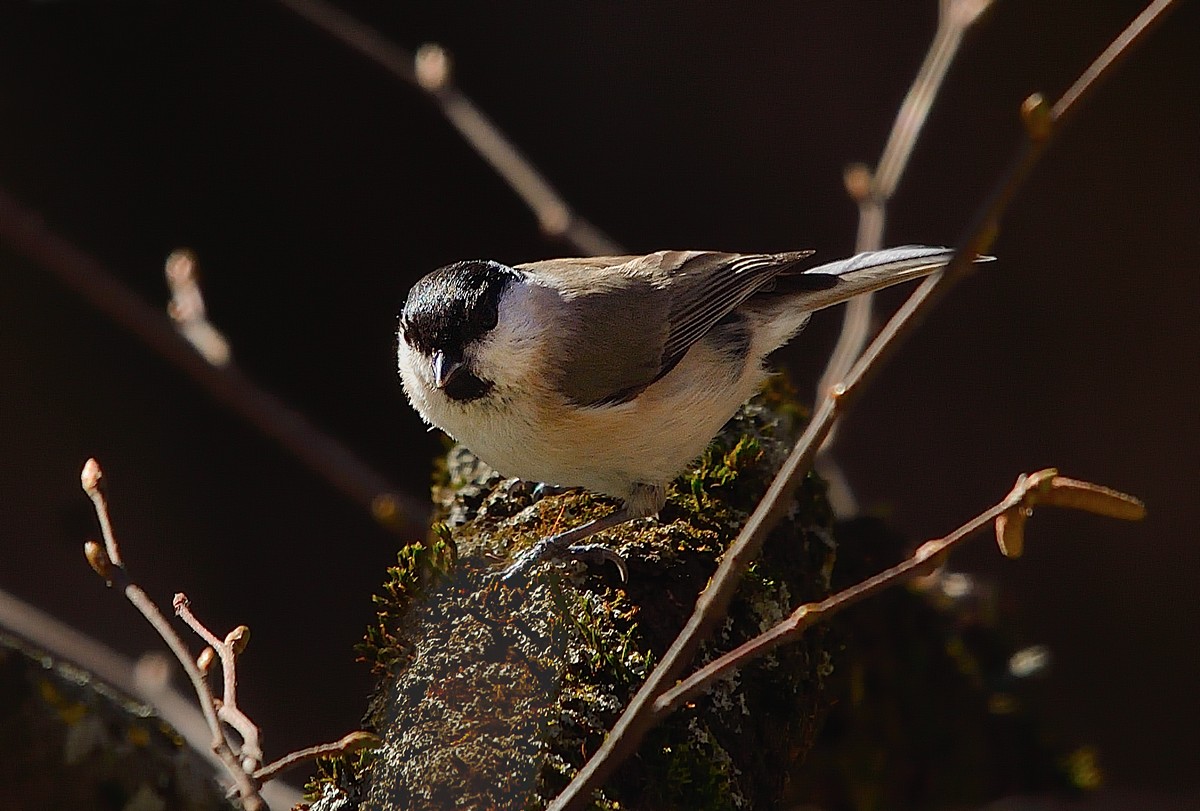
(591, 554)
(597, 554)
(542, 490)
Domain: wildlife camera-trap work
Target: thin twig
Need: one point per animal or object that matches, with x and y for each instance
(430, 70)
(873, 192)
(349, 744)
(26, 232)
(227, 650)
(1043, 487)
(639, 717)
(107, 562)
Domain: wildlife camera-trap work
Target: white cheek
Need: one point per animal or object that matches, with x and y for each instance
(513, 355)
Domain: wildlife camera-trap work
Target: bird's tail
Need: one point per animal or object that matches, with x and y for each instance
(864, 273)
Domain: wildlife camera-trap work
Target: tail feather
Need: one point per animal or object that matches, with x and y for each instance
(868, 272)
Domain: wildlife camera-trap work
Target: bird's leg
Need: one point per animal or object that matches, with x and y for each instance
(644, 501)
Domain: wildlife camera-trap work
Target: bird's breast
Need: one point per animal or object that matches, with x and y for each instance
(533, 434)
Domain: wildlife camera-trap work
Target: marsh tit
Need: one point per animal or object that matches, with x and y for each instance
(613, 373)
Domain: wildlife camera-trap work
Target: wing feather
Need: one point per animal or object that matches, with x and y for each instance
(709, 286)
(630, 320)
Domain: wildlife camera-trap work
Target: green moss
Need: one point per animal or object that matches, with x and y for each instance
(418, 567)
(337, 782)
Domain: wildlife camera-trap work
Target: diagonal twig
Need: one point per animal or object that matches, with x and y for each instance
(639, 717)
(430, 70)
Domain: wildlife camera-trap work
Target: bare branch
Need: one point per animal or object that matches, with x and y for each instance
(245, 766)
(1118, 49)
(1043, 487)
(873, 192)
(91, 478)
(25, 231)
(1047, 487)
(430, 70)
(227, 651)
(181, 713)
(639, 717)
(246, 787)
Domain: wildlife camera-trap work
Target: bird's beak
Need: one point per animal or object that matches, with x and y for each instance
(444, 369)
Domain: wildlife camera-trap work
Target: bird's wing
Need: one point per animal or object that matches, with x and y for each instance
(706, 287)
(609, 330)
(630, 320)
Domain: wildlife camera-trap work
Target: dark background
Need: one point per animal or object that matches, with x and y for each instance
(316, 188)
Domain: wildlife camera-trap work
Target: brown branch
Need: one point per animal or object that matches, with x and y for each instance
(227, 650)
(25, 232)
(348, 744)
(245, 766)
(430, 71)
(181, 713)
(1043, 487)
(639, 717)
(106, 560)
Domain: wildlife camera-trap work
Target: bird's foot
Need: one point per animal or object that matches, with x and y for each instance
(597, 554)
(567, 545)
(542, 490)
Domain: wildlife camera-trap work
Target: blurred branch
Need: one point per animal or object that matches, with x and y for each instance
(430, 70)
(872, 192)
(1041, 121)
(1008, 517)
(324, 455)
(187, 309)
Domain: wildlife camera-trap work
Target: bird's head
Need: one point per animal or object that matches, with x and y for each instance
(448, 317)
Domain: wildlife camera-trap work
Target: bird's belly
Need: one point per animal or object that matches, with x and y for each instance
(607, 449)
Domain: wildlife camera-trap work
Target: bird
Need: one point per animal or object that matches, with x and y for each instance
(613, 373)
